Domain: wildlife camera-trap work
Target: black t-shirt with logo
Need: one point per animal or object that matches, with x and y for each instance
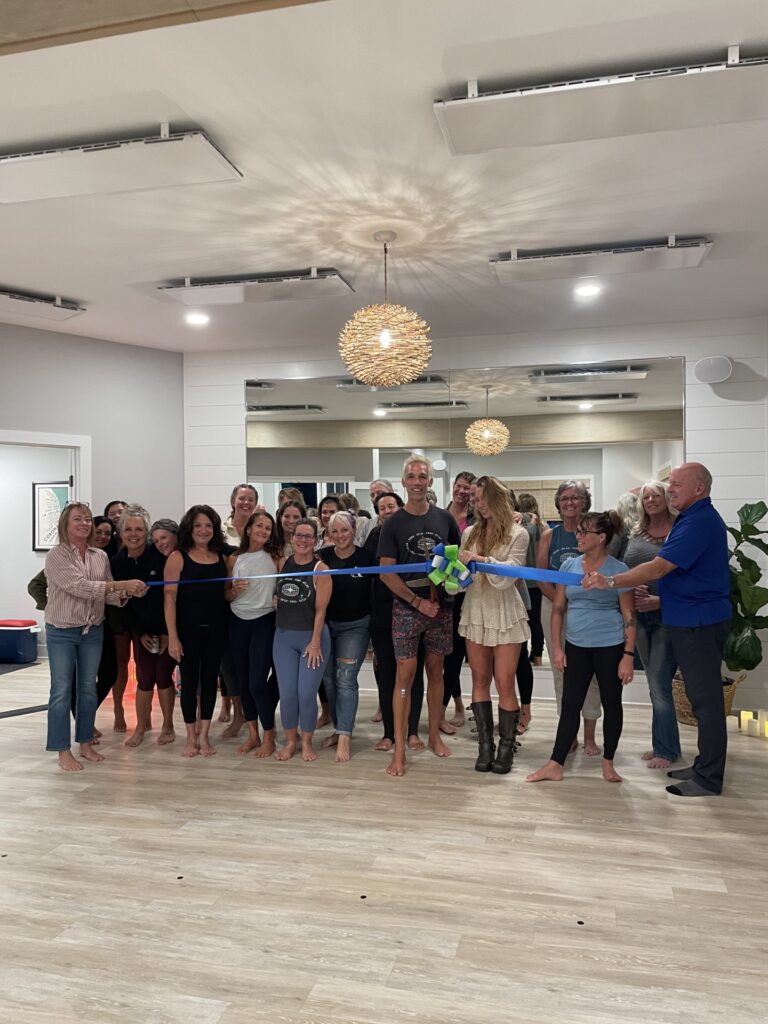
(351, 595)
(408, 538)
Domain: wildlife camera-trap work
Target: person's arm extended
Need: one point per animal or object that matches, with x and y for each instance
(637, 577)
(173, 566)
(627, 663)
(542, 562)
(556, 626)
(323, 590)
(516, 555)
(400, 589)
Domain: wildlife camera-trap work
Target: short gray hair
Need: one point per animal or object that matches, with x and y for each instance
(135, 512)
(165, 524)
(568, 485)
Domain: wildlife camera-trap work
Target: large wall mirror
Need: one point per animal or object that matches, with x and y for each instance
(613, 425)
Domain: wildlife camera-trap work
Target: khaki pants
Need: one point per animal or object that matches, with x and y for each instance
(592, 708)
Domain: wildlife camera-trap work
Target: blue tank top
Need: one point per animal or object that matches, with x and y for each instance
(562, 546)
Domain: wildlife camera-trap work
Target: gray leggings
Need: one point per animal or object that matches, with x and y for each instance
(297, 682)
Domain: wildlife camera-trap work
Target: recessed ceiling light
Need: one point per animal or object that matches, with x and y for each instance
(587, 291)
(379, 412)
(197, 319)
(585, 406)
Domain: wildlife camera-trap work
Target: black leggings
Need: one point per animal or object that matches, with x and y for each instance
(203, 647)
(386, 674)
(250, 641)
(524, 675)
(581, 664)
(534, 619)
(452, 662)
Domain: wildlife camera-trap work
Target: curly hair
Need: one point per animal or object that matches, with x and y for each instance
(184, 539)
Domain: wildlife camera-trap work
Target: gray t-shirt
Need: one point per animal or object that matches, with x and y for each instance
(410, 539)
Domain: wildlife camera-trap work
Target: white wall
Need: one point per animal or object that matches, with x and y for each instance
(624, 466)
(306, 464)
(128, 399)
(665, 454)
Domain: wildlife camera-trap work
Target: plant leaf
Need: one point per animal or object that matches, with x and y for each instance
(750, 568)
(751, 513)
(736, 534)
(759, 544)
(743, 650)
(753, 598)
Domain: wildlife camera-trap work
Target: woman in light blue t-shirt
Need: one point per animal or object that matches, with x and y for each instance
(599, 640)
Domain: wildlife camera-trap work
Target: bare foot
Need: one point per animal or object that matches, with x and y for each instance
(97, 734)
(286, 753)
(658, 762)
(414, 743)
(438, 748)
(525, 721)
(226, 710)
(166, 736)
(96, 739)
(136, 738)
(377, 716)
(536, 662)
(324, 719)
(120, 723)
(190, 749)
(233, 730)
(459, 719)
(89, 754)
(331, 741)
(573, 746)
(609, 772)
(207, 749)
(385, 744)
(308, 752)
(68, 762)
(550, 772)
(396, 766)
(250, 744)
(591, 749)
(446, 727)
(266, 749)
(344, 750)
(648, 755)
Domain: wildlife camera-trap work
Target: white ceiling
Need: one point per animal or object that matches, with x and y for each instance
(326, 109)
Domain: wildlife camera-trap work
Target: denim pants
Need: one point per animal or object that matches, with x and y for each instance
(655, 649)
(349, 642)
(72, 651)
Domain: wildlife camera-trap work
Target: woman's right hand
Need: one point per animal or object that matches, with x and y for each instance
(134, 588)
(238, 586)
(558, 660)
(314, 654)
(175, 649)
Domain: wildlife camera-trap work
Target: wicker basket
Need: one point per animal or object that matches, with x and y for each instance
(683, 711)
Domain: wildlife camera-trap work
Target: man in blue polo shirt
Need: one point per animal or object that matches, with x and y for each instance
(694, 588)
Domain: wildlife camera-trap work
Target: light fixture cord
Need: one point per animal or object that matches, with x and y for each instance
(486, 402)
(386, 250)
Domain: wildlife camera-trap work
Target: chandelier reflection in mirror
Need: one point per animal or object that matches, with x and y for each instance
(385, 344)
(486, 436)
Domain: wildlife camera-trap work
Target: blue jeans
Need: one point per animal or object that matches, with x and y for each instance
(655, 648)
(349, 642)
(72, 651)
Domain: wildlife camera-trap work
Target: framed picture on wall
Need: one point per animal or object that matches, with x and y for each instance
(48, 500)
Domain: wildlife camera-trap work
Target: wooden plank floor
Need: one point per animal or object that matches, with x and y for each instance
(156, 890)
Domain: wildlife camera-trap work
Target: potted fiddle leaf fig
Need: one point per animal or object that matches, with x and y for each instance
(743, 649)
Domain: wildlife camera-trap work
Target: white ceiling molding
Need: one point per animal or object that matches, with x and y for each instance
(37, 307)
(626, 258)
(313, 283)
(158, 161)
(632, 102)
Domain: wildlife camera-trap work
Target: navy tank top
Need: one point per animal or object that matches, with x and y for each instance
(562, 546)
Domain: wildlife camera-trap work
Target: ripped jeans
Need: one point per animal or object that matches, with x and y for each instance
(349, 642)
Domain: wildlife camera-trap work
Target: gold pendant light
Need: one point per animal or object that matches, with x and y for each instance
(385, 344)
(487, 436)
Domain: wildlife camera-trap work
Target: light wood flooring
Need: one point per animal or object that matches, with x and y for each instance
(155, 890)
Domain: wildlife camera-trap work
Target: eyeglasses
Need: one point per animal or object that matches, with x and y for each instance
(303, 536)
(580, 532)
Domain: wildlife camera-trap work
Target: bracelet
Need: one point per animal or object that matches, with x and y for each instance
(629, 654)
(416, 602)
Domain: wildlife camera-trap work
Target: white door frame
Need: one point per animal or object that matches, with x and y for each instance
(81, 444)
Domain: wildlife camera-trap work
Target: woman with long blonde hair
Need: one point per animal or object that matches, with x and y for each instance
(494, 621)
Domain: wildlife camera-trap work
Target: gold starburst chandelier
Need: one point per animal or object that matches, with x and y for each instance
(487, 436)
(385, 344)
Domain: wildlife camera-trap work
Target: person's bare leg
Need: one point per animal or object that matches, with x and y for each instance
(525, 719)
(459, 713)
(190, 747)
(167, 699)
(252, 740)
(609, 772)
(225, 711)
(444, 725)
(238, 720)
(591, 748)
(504, 659)
(68, 762)
(143, 704)
(308, 752)
(268, 745)
(550, 772)
(433, 664)
(324, 717)
(344, 750)
(89, 754)
(377, 716)
(204, 743)
(123, 654)
(286, 752)
(401, 706)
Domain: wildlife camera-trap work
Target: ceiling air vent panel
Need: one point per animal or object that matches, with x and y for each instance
(38, 307)
(312, 283)
(611, 106)
(284, 410)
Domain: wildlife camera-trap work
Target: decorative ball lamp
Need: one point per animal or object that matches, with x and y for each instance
(385, 345)
(487, 436)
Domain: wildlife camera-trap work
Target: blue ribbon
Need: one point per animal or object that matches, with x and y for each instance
(523, 572)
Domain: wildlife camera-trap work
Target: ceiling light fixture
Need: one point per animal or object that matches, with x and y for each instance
(587, 291)
(585, 406)
(379, 412)
(385, 344)
(487, 436)
(197, 319)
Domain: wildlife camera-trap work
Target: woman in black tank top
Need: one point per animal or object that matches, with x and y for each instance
(196, 617)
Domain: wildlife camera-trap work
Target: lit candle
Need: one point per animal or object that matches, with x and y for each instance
(745, 718)
(753, 727)
(732, 724)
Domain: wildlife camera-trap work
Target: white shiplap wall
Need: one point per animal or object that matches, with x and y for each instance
(726, 425)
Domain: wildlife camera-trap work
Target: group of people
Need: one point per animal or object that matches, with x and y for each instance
(241, 602)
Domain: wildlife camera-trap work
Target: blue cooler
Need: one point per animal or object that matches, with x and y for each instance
(18, 640)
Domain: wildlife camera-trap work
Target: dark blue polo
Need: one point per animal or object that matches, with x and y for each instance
(696, 593)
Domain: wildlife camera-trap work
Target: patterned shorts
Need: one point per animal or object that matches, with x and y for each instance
(408, 625)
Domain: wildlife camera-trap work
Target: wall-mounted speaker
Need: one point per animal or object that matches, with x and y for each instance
(713, 369)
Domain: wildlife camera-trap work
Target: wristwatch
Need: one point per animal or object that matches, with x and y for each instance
(611, 581)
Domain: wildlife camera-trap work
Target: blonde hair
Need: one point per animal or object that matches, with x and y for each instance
(644, 521)
(346, 517)
(487, 534)
(66, 512)
(413, 458)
